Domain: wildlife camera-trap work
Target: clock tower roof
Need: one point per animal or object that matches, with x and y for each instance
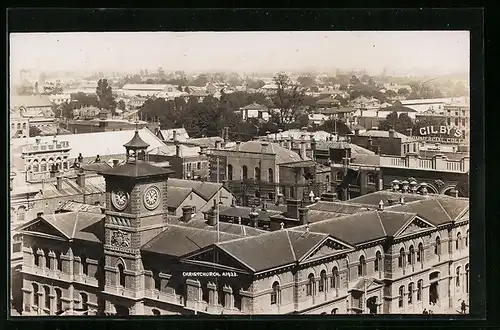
(138, 169)
(136, 143)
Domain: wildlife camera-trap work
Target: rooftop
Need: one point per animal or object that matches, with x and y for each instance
(283, 155)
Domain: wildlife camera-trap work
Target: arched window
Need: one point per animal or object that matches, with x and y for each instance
(244, 172)
(322, 282)
(270, 174)
(401, 259)
(155, 312)
(362, 266)
(34, 166)
(46, 294)
(335, 278)
(378, 261)
(230, 172)
(437, 246)
(335, 311)
(457, 243)
(121, 275)
(36, 296)
(327, 178)
(467, 238)
(338, 176)
(257, 173)
(420, 254)
(156, 280)
(275, 294)
(18, 125)
(467, 278)
(47, 258)
(36, 257)
(58, 293)
(401, 295)
(410, 293)
(85, 266)
(411, 254)
(85, 299)
(58, 261)
(12, 126)
(24, 125)
(420, 285)
(43, 165)
(21, 214)
(457, 279)
(310, 285)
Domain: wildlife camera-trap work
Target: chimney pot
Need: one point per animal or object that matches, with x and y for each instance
(187, 211)
(303, 216)
(177, 150)
(39, 214)
(59, 183)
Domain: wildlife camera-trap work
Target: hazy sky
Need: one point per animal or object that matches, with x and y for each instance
(406, 51)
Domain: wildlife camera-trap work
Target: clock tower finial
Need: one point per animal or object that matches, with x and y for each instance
(136, 148)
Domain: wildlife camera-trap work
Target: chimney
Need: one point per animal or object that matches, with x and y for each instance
(80, 179)
(288, 143)
(80, 158)
(217, 144)
(380, 205)
(370, 141)
(264, 206)
(115, 162)
(239, 221)
(423, 188)
(402, 200)
(303, 216)
(212, 218)
(59, 182)
(405, 186)
(177, 151)
(174, 135)
(302, 136)
(187, 211)
(39, 214)
(254, 218)
(97, 159)
(238, 145)
(203, 150)
(391, 132)
(226, 134)
(292, 208)
(303, 149)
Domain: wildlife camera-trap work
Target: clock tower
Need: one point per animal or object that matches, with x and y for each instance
(136, 211)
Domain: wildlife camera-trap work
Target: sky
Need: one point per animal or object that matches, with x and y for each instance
(441, 52)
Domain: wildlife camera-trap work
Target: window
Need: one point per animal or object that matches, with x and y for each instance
(410, 293)
(310, 285)
(448, 121)
(338, 176)
(43, 166)
(463, 121)
(156, 280)
(401, 295)
(292, 192)
(275, 293)
(270, 196)
(456, 121)
(467, 278)
(270, 175)
(221, 296)
(322, 282)
(85, 299)
(401, 259)
(467, 238)
(257, 173)
(457, 279)
(457, 242)
(420, 253)
(34, 167)
(362, 266)
(378, 261)
(371, 179)
(456, 113)
(155, 312)
(24, 125)
(58, 261)
(244, 171)
(411, 254)
(85, 266)
(36, 296)
(21, 213)
(58, 293)
(47, 258)
(437, 247)
(420, 285)
(463, 113)
(46, 294)
(18, 126)
(335, 278)
(121, 275)
(198, 166)
(414, 147)
(230, 172)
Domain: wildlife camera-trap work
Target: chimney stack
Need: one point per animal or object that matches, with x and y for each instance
(80, 158)
(177, 151)
(391, 132)
(303, 149)
(303, 216)
(381, 205)
(292, 208)
(226, 134)
(174, 135)
(217, 144)
(80, 178)
(203, 150)
(39, 214)
(213, 215)
(402, 200)
(59, 182)
(238, 145)
(187, 211)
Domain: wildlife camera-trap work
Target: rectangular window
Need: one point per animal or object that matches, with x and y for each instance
(198, 166)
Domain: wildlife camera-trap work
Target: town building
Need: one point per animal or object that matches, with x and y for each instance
(186, 161)
(60, 98)
(37, 109)
(438, 104)
(254, 110)
(386, 142)
(390, 252)
(172, 135)
(147, 90)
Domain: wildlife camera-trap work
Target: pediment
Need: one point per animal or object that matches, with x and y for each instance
(41, 226)
(464, 217)
(415, 225)
(214, 258)
(327, 248)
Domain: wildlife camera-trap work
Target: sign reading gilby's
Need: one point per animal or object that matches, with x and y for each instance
(442, 130)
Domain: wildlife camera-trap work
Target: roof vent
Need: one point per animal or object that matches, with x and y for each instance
(282, 225)
(381, 205)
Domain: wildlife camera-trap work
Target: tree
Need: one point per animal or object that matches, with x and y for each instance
(200, 81)
(390, 93)
(403, 92)
(25, 90)
(105, 96)
(401, 123)
(306, 81)
(121, 105)
(287, 100)
(334, 126)
(35, 131)
(255, 84)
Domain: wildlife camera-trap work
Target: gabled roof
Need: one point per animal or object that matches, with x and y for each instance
(385, 134)
(30, 101)
(71, 206)
(139, 169)
(180, 133)
(177, 195)
(397, 108)
(73, 225)
(386, 196)
(255, 106)
(244, 212)
(225, 227)
(283, 155)
(205, 189)
(339, 207)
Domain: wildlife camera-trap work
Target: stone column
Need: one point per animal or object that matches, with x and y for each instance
(52, 260)
(212, 294)
(137, 308)
(246, 302)
(229, 299)
(28, 295)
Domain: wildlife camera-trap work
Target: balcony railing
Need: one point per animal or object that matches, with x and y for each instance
(438, 163)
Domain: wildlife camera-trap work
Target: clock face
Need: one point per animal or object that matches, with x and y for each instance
(119, 199)
(152, 198)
